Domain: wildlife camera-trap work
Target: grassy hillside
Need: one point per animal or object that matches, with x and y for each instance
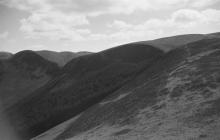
(176, 98)
(82, 83)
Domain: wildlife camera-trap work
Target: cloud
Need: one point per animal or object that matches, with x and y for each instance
(4, 35)
(195, 19)
(182, 21)
(54, 25)
(27, 5)
(186, 16)
(183, 18)
(204, 3)
(119, 25)
(46, 20)
(72, 20)
(38, 47)
(98, 7)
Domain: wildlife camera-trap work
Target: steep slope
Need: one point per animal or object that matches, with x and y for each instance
(176, 98)
(61, 58)
(22, 74)
(82, 83)
(5, 55)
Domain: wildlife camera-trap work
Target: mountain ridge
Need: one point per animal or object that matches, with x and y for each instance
(61, 58)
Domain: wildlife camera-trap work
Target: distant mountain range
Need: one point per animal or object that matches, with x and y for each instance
(61, 58)
(129, 91)
(5, 55)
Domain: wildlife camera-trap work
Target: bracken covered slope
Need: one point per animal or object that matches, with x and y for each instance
(178, 97)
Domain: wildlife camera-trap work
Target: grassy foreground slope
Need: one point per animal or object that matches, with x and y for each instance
(176, 98)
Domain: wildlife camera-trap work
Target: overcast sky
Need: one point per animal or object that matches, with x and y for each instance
(94, 25)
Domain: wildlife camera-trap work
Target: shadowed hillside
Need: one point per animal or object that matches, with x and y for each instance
(22, 74)
(83, 82)
(31, 61)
